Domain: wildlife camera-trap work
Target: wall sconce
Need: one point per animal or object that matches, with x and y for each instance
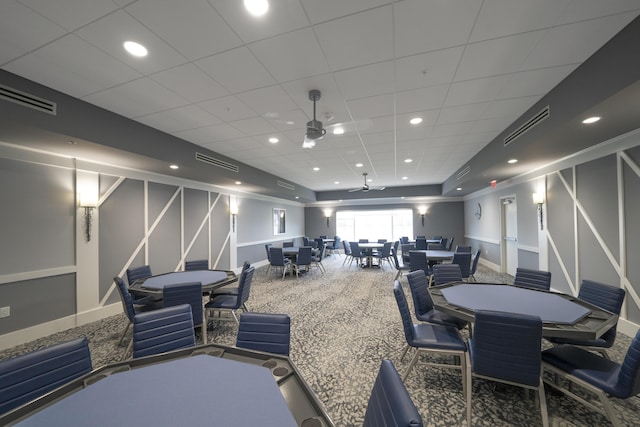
(327, 215)
(89, 202)
(422, 212)
(233, 209)
(538, 199)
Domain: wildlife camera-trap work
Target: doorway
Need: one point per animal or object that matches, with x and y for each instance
(509, 235)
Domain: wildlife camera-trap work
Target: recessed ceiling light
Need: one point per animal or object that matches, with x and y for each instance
(512, 161)
(289, 122)
(273, 140)
(336, 182)
(408, 160)
(416, 120)
(238, 182)
(297, 197)
(591, 120)
(135, 49)
(405, 177)
(338, 131)
(359, 165)
(256, 7)
(316, 169)
(459, 189)
(173, 166)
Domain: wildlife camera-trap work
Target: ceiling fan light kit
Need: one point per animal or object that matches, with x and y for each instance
(315, 131)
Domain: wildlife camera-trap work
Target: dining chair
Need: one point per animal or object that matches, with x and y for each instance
(233, 303)
(268, 247)
(405, 248)
(347, 252)
(449, 245)
(162, 330)
(598, 375)
(435, 247)
(390, 403)
(463, 259)
(140, 272)
(363, 240)
(303, 260)
(28, 376)
(444, 242)
(399, 268)
(608, 298)
(199, 264)
(532, 279)
(129, 305)
(404, 239)
(316, 260)
(382, 240)
(423, 307)
(278, 260)
(463, 248)
(429, 338)
(384, 255)
(266, 332)
(187, 293)
(356, 253)
(287, 244)
(506, 348)
(421, 237)
(418, 261)
(421, 243)
(474, 266)
(229, 290)
(446, 273)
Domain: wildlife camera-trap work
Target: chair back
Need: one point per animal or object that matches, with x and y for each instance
(421, 243)
(277, 257)
(444, 242)
(305, 241)
(323, 237)
(382, 240)
(135, 273)
(463, 259)
(507, 346)
(199, 264)
(628, 383)
(435, 247)
(265, 332)
(244, 287)
(268, 247)
(287, 244)
(355, 250)
(320, 256)
(462, 248)
(336, 242)
(390, 404)
(304, 256)
(474, 263)
(606, 297)
(437, 238)
(28, 376)
(421, 237)
(405, 314)
(185, 293)
(386, 250)
(418, 261)
(419, 285)
(449, 245)
(363, 240)
(347, 247)
(125, 297)
(245, 265)
(162, 330)
(406, 248)
(446, 273)
(404, 239)
(533, 279)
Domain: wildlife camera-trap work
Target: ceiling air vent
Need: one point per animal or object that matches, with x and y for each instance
(27, 100)
(527, 126)
(217, 162)
(286, 185)
(463, 172)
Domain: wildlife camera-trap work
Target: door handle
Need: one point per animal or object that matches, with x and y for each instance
(511, 239)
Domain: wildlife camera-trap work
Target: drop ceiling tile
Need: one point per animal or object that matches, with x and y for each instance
(367, 80)
(16, 30)
(268, 101)
(289, 120)
(110, 32)
(427, 69)
(237, 70)
(193, 27)
(534, 82)
(137, 98)
(73, 66)
(416, 100)
(330, 102)
(275, 54)
(462, 113)
(509, 108)
(320, 11)
(253, 126)
(589, 9)
(228, 108)
(477, 90)
(211, 134)
(190, 82)
(359, 39)
(424, 26)
(283, 16)
(179, 119)
(378, 124)
(71, 14)
(371, 107)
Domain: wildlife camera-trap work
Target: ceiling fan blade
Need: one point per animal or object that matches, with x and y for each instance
(354, 189)
(377, 188)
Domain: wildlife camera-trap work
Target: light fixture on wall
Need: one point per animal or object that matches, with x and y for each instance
(88, 201)
(233, 209)
(327, 215)
(422, 211)
(538, 199)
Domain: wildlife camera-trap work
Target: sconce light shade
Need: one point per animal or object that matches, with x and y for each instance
(538, 198)
(88, 200)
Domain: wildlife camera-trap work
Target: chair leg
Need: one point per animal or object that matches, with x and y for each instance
(469, 386)
(404, 353)
(124, 333)
(608, 409)
(543, 404)
(411, 365)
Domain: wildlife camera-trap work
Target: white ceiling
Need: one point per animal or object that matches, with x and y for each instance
(227, 81)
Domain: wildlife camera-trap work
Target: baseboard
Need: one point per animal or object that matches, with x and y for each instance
(42, 330)
(628, 328)
(488, 264)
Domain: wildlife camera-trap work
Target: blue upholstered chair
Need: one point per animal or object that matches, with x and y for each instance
(199, 264)
(187, 293)
(229, 290)
(335, 246)
(130, 306)
(140, 272)
(423, 305)
(463, 259)
(404, 240)
(429, 338)
(233, 303)
(347, 251)
(287, 244)
(316, 260)
(449, 245)
(444, 242)
(399, 268)
(446, 273)
(606, 297)
(356, 253)
(533, 279)
(390, 404)
(303, 260)
(421, 243)
(418, 261)
(506, 348)
(162, 330)
(463, 248)
(266, 332)
(599, 375)
(474, 266)
(278, 260)
(384, 255)
(31, 375)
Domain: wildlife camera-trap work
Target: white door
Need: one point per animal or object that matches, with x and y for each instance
(509, 235)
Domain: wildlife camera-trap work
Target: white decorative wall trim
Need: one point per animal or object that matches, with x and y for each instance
(263, 242)
(527, 248)
(37, 274)
(483, 239)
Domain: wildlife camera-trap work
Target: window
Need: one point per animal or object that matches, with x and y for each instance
(374, 225)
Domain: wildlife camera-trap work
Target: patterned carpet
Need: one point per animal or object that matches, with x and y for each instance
(343, 324)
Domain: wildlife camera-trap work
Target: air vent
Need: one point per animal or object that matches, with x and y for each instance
(27, 100)
(463, 172)
(217, 162)
(286, 185)
(527, 126)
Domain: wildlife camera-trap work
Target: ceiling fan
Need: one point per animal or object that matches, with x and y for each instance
(315, 131)
(366, 187)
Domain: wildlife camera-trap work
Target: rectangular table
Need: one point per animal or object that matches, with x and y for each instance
(562, 315)
(205, 385)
